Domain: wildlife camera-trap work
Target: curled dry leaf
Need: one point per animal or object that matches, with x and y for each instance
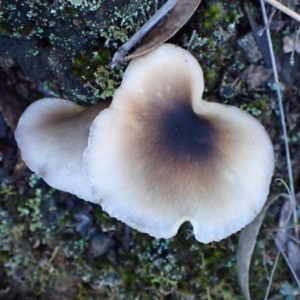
(246, 246)
(163, 29)
(255, 76)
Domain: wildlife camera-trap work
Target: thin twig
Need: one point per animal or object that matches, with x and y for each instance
(193, 36)
(125, 48)
(283, 125)
(287, 260)
(284, 9)
(291, 237)
(271, 276)
(54, 253)
(261, 32)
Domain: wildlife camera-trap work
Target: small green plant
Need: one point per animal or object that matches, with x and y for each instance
(289, 292)
(212, 15)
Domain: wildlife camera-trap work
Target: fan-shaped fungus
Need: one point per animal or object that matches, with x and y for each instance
(159, 155)
(52, 134)
(171, 157)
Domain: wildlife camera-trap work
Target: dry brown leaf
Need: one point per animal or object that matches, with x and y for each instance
(165, 29)
(255, 76)
(289, 43)
(246, 246)
(160, 32)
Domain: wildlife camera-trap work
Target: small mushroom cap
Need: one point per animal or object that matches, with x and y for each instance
(174, 157)
(52, 134)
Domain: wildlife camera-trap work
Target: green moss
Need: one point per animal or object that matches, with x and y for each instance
(71, 11)
(207, 24)
(5, 29)
(4, 256)
(233, 13)
(152, 268)
(216, 11)
(98, 58)
(209, 78)
(108, 80)
(92, 69)
(212, 15)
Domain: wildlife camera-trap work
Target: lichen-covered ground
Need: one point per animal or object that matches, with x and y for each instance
(55, 246)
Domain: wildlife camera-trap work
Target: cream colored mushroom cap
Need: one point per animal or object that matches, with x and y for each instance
(160, 155)
(52, 134)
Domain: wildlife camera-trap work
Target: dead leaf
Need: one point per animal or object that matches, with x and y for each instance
(255, 76)
(281, 235)
(178, 16)
(246, 246)
(287, 71)
(288, 43)
(160, 32)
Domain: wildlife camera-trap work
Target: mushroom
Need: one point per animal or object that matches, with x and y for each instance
(52, 134)
(160, 155)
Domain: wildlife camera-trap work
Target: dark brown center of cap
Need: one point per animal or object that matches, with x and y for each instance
(173, 144)
(184, 134)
